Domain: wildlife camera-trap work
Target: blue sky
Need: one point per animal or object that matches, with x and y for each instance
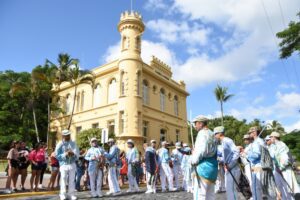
(205, 42)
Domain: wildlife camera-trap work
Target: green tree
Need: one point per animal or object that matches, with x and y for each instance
(83, 139)
(222, 97)
(290, 39)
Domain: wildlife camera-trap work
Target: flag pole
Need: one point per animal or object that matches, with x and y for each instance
(191, 129)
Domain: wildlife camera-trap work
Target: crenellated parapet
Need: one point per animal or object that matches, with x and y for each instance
(161, 66)
(131, 20)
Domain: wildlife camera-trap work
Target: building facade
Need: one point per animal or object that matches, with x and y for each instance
(133, 99)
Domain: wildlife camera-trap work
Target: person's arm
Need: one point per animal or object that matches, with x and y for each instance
(59, 153)
(111, 155)
(234, 155)
(200, 148)
(88, 156)
(254, 152)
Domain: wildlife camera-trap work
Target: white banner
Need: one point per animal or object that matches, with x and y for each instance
(104, 135)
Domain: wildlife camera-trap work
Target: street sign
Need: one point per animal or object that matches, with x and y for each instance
(104, 135)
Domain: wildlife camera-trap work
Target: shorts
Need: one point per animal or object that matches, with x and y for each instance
(23, 166)
(38, 166)
(54, 169)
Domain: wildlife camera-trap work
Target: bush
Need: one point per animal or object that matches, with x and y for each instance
(83, 138)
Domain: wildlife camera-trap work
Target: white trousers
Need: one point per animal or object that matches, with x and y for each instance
(178, 175)
(220, 183)
(167, 174)
(231, 187)
(112, 180)
(248, 174)
(96, 182)
(151, 187)
(256, 187)
(67, 177)
(133, 186)
(205, 192)
(286, 183)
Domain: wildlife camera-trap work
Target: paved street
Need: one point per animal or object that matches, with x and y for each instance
(124, 196)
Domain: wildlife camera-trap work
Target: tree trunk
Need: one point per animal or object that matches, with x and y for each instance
(48, 128)
(222, 120)
(35, 125)
(72, 113)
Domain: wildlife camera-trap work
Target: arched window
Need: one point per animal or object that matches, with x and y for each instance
(68, 104)
(82, 101)
(176, 105)
(145, 92)
(78, 102)
(122, 84)
(97, 96)
(112, 91)
(138, 83)
(162, 135)
(162, 99)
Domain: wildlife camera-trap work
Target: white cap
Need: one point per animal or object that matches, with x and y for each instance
(185, 145)
(65, 132)
(267, 137)
(275, 134)
(178, 144)
(164, 143)
(130, 141)
(200, 118)
(94, 139)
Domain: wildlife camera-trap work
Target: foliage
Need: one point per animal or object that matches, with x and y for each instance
(292, 140)
(222, 97)
(290, 39)
(83, 138)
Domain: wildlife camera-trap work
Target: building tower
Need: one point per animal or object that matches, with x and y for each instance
(131, 28)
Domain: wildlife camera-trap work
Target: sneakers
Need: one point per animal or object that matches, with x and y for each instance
(40, 186)
(73, 197)
(62, 197)
(172, 189)
(117, 193)
(149, 192)
(100, 195)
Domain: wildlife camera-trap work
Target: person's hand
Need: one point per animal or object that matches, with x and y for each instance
(226, 167)
(70, 153)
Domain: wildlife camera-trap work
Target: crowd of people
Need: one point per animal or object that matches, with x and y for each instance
(261, 169)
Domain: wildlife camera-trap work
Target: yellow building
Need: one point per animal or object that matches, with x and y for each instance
(133, 99)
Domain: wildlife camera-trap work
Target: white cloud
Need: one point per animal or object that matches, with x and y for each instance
(287, 86)
(246, 51)
(177, 32)
(286, 106)
(293, 126)
(259, 99)
(155, 4)
(148, 49)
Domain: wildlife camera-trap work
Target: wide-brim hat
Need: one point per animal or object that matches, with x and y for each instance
(94, 139)
(178, 145)
(253, 129)
(219, 129)
(65, 132)
(275, 134)
(164, 143)
(246, 137)
(130, 141)
(153, 141)
(110, 140)
(200, 118)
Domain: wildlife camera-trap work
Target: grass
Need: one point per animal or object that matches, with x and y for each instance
(3, 164)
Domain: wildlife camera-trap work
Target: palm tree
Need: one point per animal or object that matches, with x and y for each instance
(60, 70)
(32, 89)
(222, 97)
(75, 77)
(276, 126)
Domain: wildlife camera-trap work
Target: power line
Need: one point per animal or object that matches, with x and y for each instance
(292, 59)
(273, 34)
